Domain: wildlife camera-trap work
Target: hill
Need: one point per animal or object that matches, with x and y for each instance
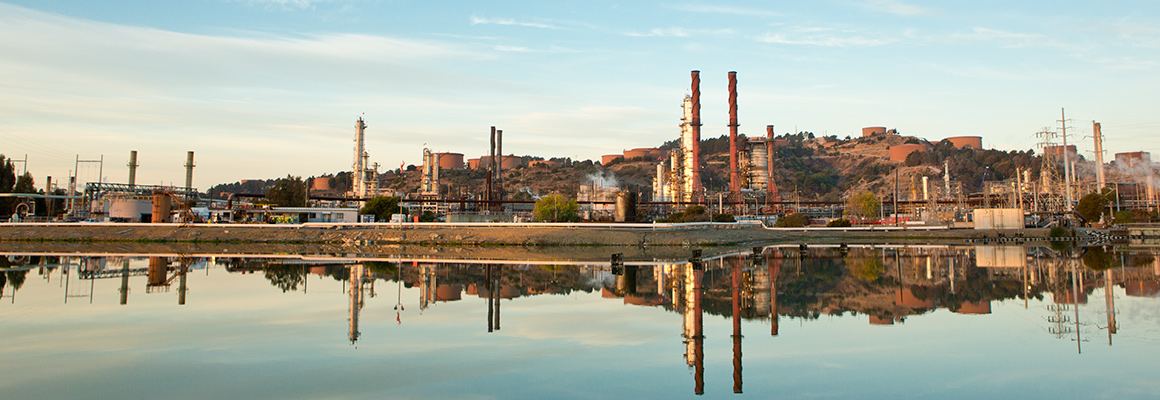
(805, 167)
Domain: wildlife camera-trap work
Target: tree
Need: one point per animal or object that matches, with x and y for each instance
(24, 184)
(862, 205)
(285, 278)
(1091, 205)
(7, 182)
(556, 208)
(382, 207)
(1098, 258)
(427, 216)
(288, 192)
(867, 268)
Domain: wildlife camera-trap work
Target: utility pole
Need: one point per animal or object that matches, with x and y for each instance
(897, 170)
(23, 164)
(1066, 162)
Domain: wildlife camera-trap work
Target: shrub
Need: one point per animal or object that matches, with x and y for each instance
(839, 223)
(723, 218)
(1059, 231)
(792, 221)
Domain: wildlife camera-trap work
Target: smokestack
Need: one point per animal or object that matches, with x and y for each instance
(734, 174)
(49, 201)
(499, 165)
(189, 176)
(132, 167)
(491, 167)
(698, 193)
(771, 193)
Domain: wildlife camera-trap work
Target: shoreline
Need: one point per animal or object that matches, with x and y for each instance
(577, 235)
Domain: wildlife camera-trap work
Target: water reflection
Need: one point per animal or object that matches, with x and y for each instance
(886, 285)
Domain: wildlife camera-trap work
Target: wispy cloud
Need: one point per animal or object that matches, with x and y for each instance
(824, 40)
(77, 72)
(503, 21)
(680, 32)
(517, 49)
(1005, 38)
(897, 7)
(719, 9)
(280, 4)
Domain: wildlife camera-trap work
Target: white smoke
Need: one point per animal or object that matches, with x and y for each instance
(1140, 172)
(604, 179)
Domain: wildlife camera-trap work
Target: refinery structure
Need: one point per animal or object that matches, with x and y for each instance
(490, 188)
(678, 178)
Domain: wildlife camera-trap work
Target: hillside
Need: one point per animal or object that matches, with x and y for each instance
(823, 169)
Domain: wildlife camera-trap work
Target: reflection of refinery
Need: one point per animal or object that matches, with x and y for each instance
(887, 284)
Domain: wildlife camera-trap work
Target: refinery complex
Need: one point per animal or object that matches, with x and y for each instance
(450, 187)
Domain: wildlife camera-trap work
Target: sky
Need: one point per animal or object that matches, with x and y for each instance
(264, 88)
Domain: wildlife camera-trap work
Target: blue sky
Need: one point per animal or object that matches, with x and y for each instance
(260, 89)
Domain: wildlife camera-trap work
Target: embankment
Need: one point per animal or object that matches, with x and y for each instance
(640, 235)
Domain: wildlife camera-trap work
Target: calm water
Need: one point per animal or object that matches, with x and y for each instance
(874, 322)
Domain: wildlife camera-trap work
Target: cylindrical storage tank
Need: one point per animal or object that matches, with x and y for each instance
(451, 160)
(899, 152)
(634, 153)
(320, 183)
(1057, 150)
(130, 209)
(873, 130)
(511, 162)
(625, 207)
(965, 142)
(162, 207)
(473, 163)
(448, 292)
(1133, 159)
(545, 163)
(967, 307)
(605, 159)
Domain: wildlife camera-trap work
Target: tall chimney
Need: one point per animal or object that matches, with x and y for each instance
(499, 165)
(734, 173)
(49, 201)
(698, 193)
(771, 193)
(132, 167)
(491, 167)
(189, 176)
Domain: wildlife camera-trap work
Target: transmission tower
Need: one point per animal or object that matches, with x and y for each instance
(1050, 184)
